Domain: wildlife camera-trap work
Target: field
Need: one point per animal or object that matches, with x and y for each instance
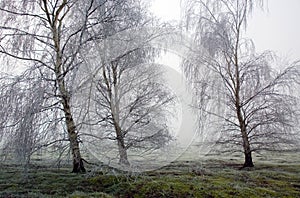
(274, 175)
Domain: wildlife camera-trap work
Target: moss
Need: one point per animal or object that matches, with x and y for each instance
(164, 188)
(79, 194)
(210, 179)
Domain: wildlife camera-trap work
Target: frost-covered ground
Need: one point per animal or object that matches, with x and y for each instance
(274, 175)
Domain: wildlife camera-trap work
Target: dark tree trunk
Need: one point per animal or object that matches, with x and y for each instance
(246, 144)
(248, 160)
(247, 149)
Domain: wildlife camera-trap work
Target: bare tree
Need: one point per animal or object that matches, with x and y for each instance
(255, 108)
(130, 100)
(23, 121)
(51, 34)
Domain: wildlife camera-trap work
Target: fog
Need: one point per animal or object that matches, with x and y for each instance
(274, 28)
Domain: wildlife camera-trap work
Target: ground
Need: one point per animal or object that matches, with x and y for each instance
(274, 175)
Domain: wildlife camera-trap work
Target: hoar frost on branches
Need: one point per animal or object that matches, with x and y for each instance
(50, 35)
(248, 101)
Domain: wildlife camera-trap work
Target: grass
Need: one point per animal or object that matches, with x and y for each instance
(212, 177)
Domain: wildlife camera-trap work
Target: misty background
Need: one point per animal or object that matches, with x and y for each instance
(276, 28)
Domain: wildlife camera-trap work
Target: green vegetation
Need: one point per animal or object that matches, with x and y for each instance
(210, 178)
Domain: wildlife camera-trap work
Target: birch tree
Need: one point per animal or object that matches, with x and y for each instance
(257, 109)
(12, 119)
(132, 102)
(26, 122)
(51, 34)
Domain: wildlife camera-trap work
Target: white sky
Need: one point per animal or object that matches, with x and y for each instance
(166, 9)
(276, 28)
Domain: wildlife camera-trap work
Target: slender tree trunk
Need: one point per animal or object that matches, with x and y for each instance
(246, 145)
(121, 146)
(78, 165)
(65, 98)
(116, 119)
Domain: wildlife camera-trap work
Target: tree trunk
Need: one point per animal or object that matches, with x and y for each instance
(55, 17)
(248, 160)
(78, 165)
(123, 154)
(246, 145)
(121, 146)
